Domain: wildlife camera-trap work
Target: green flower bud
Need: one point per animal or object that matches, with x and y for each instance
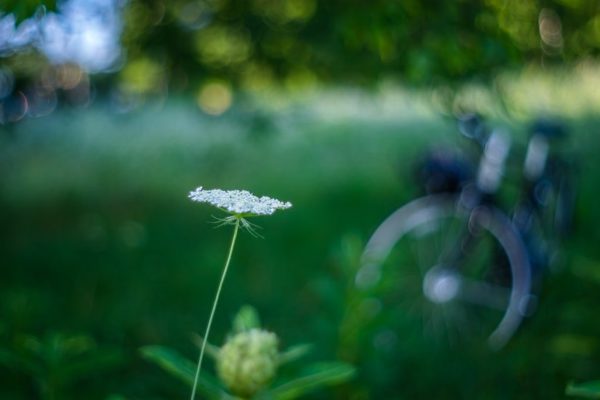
(248, 361)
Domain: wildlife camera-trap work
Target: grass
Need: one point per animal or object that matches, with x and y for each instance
(98, 237)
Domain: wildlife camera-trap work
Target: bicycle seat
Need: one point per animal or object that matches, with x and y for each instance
(443, 171)
(549, 128)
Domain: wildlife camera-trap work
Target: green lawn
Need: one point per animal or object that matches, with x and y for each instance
(98, 238)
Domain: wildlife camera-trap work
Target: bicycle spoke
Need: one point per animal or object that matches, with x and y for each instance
(422, 258)
(484, 294)
(452, 239)
(445, 279)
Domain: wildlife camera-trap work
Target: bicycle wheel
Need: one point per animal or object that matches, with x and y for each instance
(463, 272)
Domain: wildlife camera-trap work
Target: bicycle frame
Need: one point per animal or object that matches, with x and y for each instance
(485, 259)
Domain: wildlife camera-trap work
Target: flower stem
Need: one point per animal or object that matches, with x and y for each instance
(214, 306)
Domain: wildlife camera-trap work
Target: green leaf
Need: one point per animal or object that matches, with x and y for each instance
(589, 390)
(211, 349)
(314, 377)
(294, 353)
(247, 318)
(182, 368)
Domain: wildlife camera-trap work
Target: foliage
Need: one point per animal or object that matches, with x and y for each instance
(308, 378)
(182, 44)
(183, 369)
(588, 390)
(96, 236)
(299, 41)
(23, 9)
(55, 362)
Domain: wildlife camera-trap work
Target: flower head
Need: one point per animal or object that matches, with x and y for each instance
(238, 202)
(248, 361)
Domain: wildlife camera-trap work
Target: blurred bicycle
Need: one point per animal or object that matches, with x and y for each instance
(456, 259)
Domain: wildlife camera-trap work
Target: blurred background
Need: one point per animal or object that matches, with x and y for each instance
(111, 111)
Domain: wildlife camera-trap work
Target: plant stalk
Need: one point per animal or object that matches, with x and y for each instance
(214, 307)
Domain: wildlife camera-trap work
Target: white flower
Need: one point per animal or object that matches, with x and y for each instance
(238, 202)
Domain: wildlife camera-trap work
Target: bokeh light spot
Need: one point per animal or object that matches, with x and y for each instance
(284, 11)
(13, 108)
(550, 30)
(215, 98)
(142, 76)
(7, 82)
(222, 45)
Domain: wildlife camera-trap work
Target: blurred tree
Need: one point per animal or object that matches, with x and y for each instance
(181, 44)
(25, 8)
(418, 41)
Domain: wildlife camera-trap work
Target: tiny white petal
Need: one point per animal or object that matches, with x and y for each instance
(238, 201)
